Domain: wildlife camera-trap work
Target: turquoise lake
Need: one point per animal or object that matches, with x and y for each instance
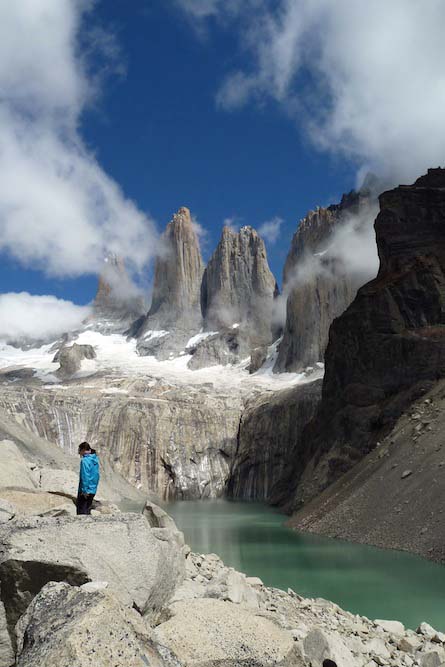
(365, 580)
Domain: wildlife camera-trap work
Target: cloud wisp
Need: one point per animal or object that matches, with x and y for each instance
(28, 317)
(59, 211)
(364, 80)
(270, 230)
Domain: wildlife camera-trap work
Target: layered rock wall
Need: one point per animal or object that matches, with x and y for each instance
(177, 443)
(269, 441)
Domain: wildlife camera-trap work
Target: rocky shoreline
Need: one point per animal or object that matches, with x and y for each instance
(125, 590)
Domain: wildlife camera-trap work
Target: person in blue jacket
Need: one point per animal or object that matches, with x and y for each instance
(88, 478)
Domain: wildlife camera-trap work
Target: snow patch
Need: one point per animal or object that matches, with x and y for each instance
(197, 338)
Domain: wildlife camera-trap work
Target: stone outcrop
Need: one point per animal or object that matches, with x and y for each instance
(238, 286)
(227, 347)
(117, 303)
(389, 346)
(318, 284)
(175, 307)
(70, 359)
(68, 626)
(270, 440)
(141, 564)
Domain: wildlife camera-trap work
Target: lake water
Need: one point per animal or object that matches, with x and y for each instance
(373, 582)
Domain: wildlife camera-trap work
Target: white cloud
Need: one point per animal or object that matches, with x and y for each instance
(270, 229)
(233, 223)
(363, 79)
(29, 317)
(59, 211)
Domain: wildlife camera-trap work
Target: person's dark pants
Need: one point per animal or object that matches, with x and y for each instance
(84, 502)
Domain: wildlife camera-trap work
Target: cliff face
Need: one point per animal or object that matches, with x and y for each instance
(318, 283)
(269, 439)
(175, 306)
(176, 443)
(388, 347)
(238, 286)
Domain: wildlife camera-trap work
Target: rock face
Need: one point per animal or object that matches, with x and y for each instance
(164, 439)
(117, 303)
(376, 502)
(390, 343)
(318, 283)
(238, 286)
(35, 551)
(68, 626)
(221, 349)
(269, 440)
(70, 359)
(175, 307)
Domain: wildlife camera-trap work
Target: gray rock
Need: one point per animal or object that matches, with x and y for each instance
(269, 443)
(14, 471)
(317, 282)
(122, 549)
(394, 627)
(65, 626)
(175, 306)
(222, 349)
(238, 286)
(70, 359)
(257, 358)
(212, 633)
(320, 645)
(34, 502)
(7, 657)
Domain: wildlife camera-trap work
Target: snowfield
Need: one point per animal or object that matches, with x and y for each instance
(118, 356)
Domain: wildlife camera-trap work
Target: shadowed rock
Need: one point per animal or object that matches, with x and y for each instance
(70, 359)
(318, 284)
(389, 345)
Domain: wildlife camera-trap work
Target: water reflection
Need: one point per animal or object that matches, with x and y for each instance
(373, 582)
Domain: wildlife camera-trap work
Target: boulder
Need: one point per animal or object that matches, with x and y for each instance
(142, 568)
(213, 633)
(394, 627)
(14, 470)
(65, 626)
(320, 646)
(66, 482)
(34, 502)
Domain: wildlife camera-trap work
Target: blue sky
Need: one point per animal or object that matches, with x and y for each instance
(241, 109)
(158, 132)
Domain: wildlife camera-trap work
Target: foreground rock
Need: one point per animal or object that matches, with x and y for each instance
(141, 564)
(210, 633)
(66, 626)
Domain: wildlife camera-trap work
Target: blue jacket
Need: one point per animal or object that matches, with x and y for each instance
(89, 474)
